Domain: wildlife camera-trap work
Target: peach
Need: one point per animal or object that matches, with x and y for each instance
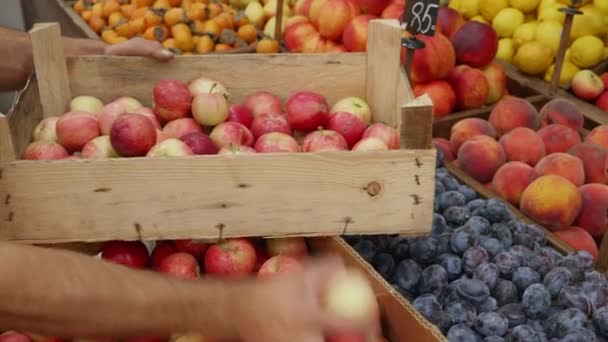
(562, 164)
(563, 112)
(46, 129)
(445, 147)
(315, 11)
(99, 148)
(552, 201)
(172, 100)
(314, 43)
(334, 16)
(524, 145)
(512, 179)
(470, 86)
(480, 157)
(497, 82)
(558, 138)
(297, 34)
(587, 85)
(301, 8)
(441, 94)
(132, 135)
(594, 213)
(373, 7)
(434, 62)
(355, 33)
(579, 239)
(450, 21)
(76, 129)
(180, 127)
(393, 11)
(467, 128)
(595, 161)
(598, 135)
(602, 101)
(512, 112)
(475, 44)
(45, 150)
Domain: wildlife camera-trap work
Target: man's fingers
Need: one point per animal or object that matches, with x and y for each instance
(308, 337)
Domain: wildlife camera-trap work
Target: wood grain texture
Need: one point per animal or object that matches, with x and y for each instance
(383, 71)
(334, 75)
(256, 195)
(7, 148)
(484, 192)
(77, 20)
(401, 321)
(24, 115)
(417, 124)
(51, 70)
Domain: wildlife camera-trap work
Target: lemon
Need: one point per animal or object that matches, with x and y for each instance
(506, 50)
(480, 19)
(489, 8)
(525, 5)
(525, 33)
(568, 55)
(533, 58)
(468, 8)
(591, 22)
(568, 72)
(601, 5)
(549, 33)
(587, 51)
(506, 21)
(546, 3)
(551, 12)
(454, 4)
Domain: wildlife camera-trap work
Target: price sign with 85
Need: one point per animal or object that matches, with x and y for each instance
(420, 16)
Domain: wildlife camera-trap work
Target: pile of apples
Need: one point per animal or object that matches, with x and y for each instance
(198, 119)
(238, 258)
(588, 86)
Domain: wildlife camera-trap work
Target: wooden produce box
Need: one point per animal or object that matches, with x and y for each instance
(307, 194)
(442, 128)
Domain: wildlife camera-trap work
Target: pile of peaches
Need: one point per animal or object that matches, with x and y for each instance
(545, 163)
(198, 119)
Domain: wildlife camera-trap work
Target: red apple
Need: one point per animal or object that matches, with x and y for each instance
(132, 135)
(351, 127)
(263, 102)
(45, 150)
(199, 143)
(180, 127)
(269, 122)
(324, 140)
(110, 112)
(172, 100)
(602, 101)
(355, 33)
(170, 148)
(46, 129)
(276, 142)
(160, 136)
(356, 106)
(386, 133)
(99, 148)
(604, 78)
(230, 258)
(12, 336)
(181, 265)
(43, 338)
(210, 109)
(587, 85)
(86, 103)
(293, 247)
(231, 133)
(162, 250)
(76, 129)
(149, 113)
(203, 85)
(306, 111)
(370, 144)
(129, 253)
(241, 114)
(351, 335)
(196, 248)
(349, 295)
(235, 150)
(279, 264)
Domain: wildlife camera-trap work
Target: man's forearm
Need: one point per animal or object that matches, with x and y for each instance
(16, 63)
(62, 293)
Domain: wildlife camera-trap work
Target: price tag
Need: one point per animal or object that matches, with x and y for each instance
(420, 16)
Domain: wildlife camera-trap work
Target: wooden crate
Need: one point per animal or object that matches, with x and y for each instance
(442, 128)
(307, 194)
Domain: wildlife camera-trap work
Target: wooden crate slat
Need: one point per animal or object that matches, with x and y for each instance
(417, 125)
(7, 148)
(140, 198)
(24, 115)
(334, 75)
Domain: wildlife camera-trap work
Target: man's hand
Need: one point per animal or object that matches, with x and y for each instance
(288, 307)
(139, 47)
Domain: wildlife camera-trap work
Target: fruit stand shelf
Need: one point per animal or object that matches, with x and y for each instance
(281, 194)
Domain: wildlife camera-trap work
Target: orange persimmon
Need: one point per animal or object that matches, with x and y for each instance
(213, 10)
(97, 23)
(197, 12)
(114, 18)
(127, 10)
(79, 6)
(124, 29)
(111, 37)
(224, 20)
(222, 47)
(248, 33)
(110, 6)
(183, 37)
(267, 46)
(212, 28)
(138, 26)
(161, 4)
(97, 10)
(175, 3)
(158, 33)
(86, 15)
(175, 16)
(240, 19)
(142, 3)
(152, 18)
